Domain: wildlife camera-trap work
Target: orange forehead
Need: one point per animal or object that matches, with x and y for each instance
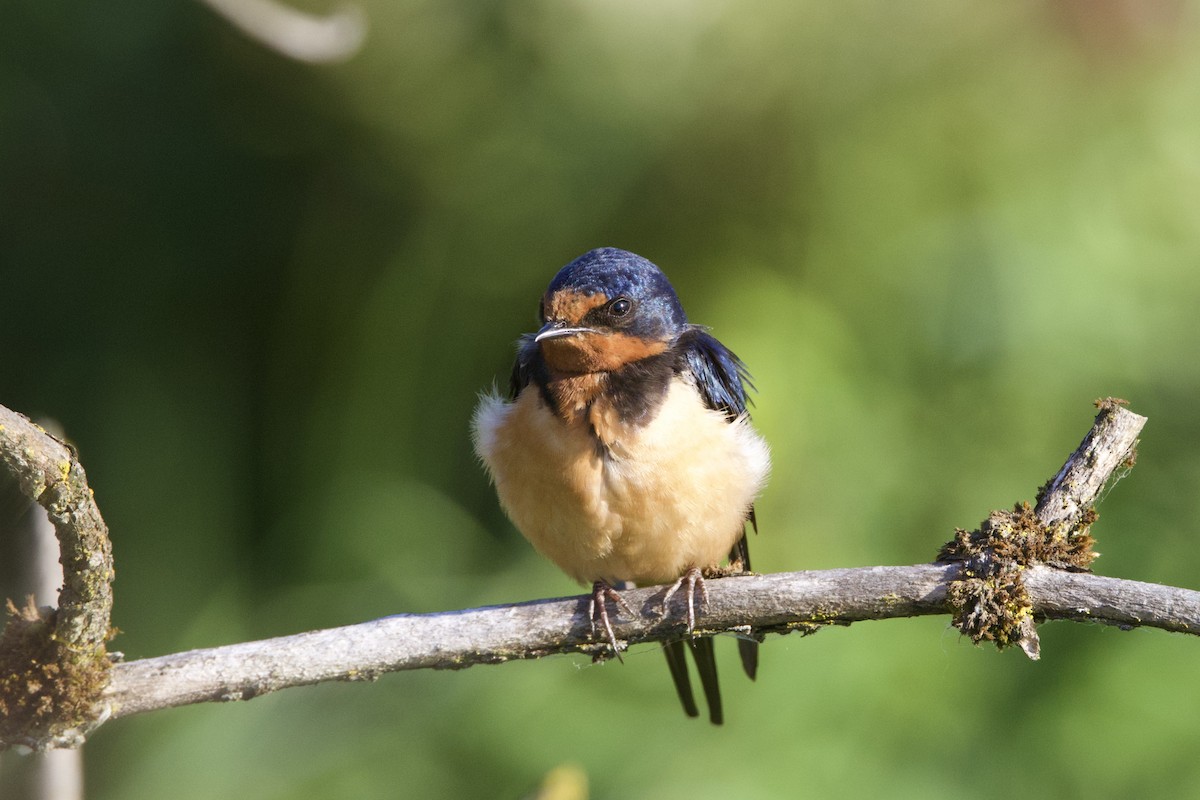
(570, 306)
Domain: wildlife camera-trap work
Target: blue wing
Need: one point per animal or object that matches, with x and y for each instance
(720, 375)
(723, 381)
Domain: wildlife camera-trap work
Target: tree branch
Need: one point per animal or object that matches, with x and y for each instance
(746, 606)
(53, 663)
(991, 600)
(778, 603)
(50, 475)
(28, 541)
(1110, 445)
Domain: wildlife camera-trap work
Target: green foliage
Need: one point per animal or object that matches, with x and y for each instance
(261, 297)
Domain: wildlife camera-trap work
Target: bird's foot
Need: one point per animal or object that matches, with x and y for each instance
(602, 593)
(689, 581)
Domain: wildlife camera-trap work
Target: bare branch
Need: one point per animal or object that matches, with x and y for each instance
(778, 603)
(1109, 445)
(495, 634)
(294, 33)
(1127, 604)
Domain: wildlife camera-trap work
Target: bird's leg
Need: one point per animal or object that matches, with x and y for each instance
(691, 580)
(598, 612)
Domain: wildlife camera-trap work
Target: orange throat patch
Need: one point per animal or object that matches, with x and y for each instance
(574, 394)
(596, 352)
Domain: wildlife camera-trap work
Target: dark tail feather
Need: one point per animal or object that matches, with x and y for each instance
(677, 663)
(748, 650)
(706, 665)
(739, 556)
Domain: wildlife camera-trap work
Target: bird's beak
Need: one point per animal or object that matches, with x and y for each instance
(555, 330)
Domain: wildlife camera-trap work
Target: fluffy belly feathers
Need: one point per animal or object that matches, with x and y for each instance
(666, 496)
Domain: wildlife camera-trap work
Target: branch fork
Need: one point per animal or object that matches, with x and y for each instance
(990, 602)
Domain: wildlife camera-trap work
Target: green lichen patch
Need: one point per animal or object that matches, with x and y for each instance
(991, 608)
(46, 689)
(989, 601)
(1019, 537)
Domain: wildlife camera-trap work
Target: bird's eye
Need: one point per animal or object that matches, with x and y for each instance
(542, 311)
(620, 307)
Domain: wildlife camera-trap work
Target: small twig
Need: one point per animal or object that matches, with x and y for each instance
(1110, 444)
(294, 33)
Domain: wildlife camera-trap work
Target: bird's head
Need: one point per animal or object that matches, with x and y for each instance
(606, 309)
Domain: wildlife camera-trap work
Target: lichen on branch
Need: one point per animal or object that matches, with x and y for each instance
(42, 652)
(48, 691)
(989, 601)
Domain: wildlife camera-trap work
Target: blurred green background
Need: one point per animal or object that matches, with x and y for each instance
(262, 296)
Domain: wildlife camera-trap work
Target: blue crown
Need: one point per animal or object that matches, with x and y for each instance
(618, 273)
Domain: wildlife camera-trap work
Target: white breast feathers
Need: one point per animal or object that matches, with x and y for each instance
(665, 496)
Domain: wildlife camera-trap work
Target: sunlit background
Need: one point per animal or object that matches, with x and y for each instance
(261, 297)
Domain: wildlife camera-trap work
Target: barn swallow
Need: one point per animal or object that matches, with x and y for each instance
(624, 453)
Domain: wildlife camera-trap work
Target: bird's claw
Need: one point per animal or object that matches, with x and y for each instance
(691, 580)
(602, 593)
